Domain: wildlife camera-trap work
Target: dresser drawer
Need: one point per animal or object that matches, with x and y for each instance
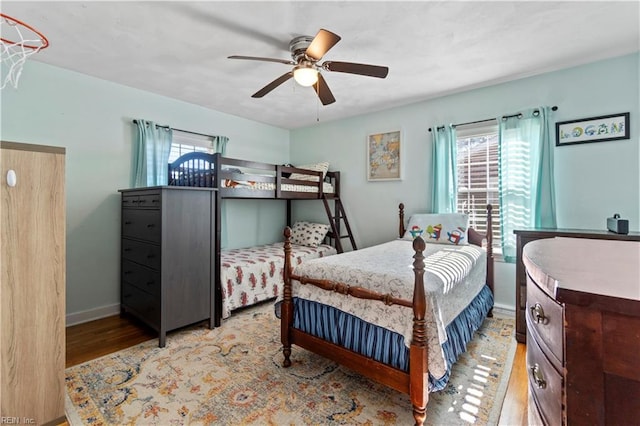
(142, 277)
(533, 412)
(141, 224)
(142, 304)
(545, 320)
(141, 200)
(545, 383)
(140, 252)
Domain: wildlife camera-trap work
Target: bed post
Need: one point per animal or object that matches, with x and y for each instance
(401, 229)
(286, 313)
(418, 355)
(489, 247)
(490, 253)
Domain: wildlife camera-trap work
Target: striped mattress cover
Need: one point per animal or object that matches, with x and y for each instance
(386, 346)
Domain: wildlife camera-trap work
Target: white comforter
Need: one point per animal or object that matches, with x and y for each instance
(454, 275)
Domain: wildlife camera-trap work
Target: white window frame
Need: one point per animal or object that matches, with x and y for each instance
(184, 142)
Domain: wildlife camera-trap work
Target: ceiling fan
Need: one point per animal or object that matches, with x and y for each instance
(306, 53)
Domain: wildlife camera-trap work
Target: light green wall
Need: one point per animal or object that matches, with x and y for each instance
(593, 180)
(92, 119)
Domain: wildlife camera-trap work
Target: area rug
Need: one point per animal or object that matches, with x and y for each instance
(232, 375)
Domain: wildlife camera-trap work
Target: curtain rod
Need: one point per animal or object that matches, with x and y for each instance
(180, 130)
(553, 108)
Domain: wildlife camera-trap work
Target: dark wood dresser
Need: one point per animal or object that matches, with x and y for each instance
(524, 236)
(167, 258)
(583, 328)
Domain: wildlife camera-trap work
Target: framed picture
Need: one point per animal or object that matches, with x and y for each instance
(383, 156)
(594, 129)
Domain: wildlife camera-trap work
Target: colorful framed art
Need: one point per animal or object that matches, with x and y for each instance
(594, 129)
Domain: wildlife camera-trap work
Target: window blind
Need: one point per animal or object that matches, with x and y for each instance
(184, 142)
(477, 167)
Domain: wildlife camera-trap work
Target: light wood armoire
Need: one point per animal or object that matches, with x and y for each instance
(32, 283)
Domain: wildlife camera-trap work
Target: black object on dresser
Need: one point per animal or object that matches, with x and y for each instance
(526, 235)
(168, 251)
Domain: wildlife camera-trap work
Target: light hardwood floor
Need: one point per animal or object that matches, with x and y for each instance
(101, 337)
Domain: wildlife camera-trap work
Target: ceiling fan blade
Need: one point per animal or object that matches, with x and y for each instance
(322, 42)
(353, 68)
(257, 58)
(275, 83)
(323, 91)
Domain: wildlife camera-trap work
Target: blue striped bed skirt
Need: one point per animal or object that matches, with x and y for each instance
(384, 345)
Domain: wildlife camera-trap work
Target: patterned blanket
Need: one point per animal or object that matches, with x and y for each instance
(327, 187)
(251, 275)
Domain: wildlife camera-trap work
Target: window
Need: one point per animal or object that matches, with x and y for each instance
(477, 167)
(184, 142)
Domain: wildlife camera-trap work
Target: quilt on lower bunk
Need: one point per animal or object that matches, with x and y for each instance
(454, 277)
(251, 275)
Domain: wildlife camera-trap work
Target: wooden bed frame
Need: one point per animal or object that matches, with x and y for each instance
(415, 382)
(200, 169)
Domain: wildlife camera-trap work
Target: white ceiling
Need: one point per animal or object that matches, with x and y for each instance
(180, 49)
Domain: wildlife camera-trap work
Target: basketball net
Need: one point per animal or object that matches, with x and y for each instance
(18, 42)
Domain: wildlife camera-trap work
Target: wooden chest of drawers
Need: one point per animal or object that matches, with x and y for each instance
(583, 331)
(167, 258)
(524, 236)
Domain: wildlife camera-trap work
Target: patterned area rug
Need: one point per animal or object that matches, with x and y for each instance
(232, 375)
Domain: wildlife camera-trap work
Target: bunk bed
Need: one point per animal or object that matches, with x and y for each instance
(250, 275)
(402, 327)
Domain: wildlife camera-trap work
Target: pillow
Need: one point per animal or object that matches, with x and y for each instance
(318, 167)
(445, 228)
(308, 234)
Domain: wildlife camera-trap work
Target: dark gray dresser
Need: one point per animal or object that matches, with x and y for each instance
(168, 253)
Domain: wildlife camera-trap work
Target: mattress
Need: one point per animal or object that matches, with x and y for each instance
(327, 187)
(254, 274)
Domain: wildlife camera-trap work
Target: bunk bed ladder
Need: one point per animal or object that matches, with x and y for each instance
(334, 221)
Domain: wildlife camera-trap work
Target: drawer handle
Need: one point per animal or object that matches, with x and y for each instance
(537, 376)
(127, 249)
(151, 282)
(142, 201)
(151, 256)
(128, 222)
(127, 272)
(155, 200)
(538, 314)
(151, 225)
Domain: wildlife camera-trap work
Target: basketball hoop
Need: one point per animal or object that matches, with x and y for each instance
(18, 41)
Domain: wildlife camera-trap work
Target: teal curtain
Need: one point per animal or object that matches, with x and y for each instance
(526, 183)
(444, 170)
(219, 144)
(151, 154)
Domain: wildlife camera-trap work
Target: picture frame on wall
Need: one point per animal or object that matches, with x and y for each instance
(384, 159)
(595, 129)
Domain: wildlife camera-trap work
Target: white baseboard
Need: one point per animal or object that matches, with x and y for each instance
(507, 310)
(92, 314)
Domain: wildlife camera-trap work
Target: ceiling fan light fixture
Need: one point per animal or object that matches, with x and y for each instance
(305, 76)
